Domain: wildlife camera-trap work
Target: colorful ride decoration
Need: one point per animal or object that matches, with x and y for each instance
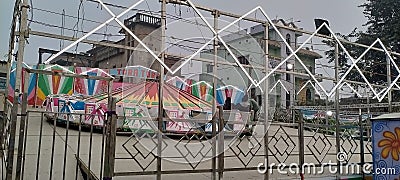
(138, 103)
(233, 92)
(90, 87)
(136, 125)
(39, 88)
(204, 90)
(65, 107)
(146, 94)
(135, 71)
(386, 145)
(94, 114)
(44, 85)
(64, 95)
(179, 127)
(11, 86)
(53, 84)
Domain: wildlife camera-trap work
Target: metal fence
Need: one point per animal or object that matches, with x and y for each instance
(73, 149)
(52, 149)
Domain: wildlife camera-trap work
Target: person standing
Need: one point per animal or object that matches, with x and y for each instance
(248, 105)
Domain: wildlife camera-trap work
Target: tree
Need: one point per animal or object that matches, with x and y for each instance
(383, 23)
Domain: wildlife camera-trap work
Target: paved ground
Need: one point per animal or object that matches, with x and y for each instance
(284, 146)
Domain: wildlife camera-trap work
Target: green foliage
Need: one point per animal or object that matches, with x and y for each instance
(383, 23)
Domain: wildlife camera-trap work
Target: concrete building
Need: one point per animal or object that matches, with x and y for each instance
(145, 27)
(248, 47)
(67, 58)
(3, 68)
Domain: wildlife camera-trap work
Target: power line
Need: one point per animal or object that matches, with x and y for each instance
(70, 29)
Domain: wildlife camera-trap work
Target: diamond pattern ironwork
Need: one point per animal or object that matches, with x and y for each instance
(193, 154)
(142, 145)
(348, 144)
(245, 153)
(279, 139)
(316, 142)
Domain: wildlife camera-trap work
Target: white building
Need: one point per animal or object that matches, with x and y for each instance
(248, 47)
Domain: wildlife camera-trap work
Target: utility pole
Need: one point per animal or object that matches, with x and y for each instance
(160, 90)
(266, 99)
(23, 35)
(9, 60)
(11, 45)
(214, 113)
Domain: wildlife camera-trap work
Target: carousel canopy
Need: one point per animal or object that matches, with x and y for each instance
(146, 94)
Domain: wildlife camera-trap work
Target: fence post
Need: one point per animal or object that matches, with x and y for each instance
(111, 130)
(214, 106)
(360, 121)
(23, 35)
(301, 144)
(21, 139)
(160, 117)
(337, 121)
(266, 99)
(221, 138)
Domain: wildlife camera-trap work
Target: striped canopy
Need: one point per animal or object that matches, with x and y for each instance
(146, 94)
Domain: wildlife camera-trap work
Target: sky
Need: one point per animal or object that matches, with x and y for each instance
(343, 15)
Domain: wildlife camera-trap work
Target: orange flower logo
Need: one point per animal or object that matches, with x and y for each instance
(390, 144)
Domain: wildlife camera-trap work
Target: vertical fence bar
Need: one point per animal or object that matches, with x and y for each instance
(301, 144)
(25, 139)
(39, 145)
(368, 120)
(3, 120)
(362, 158)
(36, 86)
(53, 144)
(90, 143)
(266, 99)
(221, 138)
(337, 122)
(24, 33)
(214, 107)
(103, 136)
(79, 146)
(160, 90)
(111, 132)
(389, 81)
(21, 136)
(65, 148)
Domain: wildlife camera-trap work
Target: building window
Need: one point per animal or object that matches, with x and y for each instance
(310, 68)
(243, 60)
(288, 77)
(259, 100)
(308, 95)
(287, 100)
(289, 42)
(209, 68)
